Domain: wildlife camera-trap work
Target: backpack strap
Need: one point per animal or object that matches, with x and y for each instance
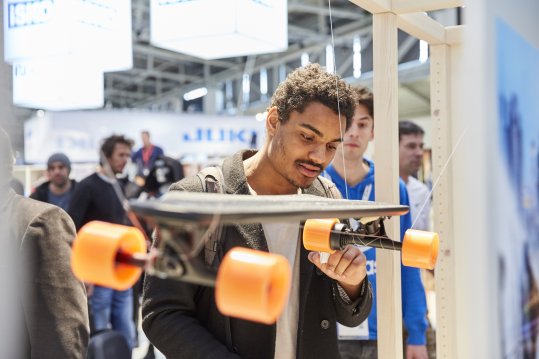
(329, 187)
(212, 179)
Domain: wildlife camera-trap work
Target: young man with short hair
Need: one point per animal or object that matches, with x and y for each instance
(350, 164)
(410, 158)
(303, 130)
(95, 199)
(58, 190)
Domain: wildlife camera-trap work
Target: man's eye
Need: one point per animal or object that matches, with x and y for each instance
(307, 138)
(332, 147)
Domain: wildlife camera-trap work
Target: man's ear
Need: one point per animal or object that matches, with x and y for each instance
(272, 121)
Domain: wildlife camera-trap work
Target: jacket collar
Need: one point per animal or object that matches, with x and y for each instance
(235, 182)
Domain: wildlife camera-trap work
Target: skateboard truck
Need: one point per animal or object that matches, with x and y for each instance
(249, 284)
(419, 248)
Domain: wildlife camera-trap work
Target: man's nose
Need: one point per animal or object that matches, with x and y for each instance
(318, 154)
(353, 132)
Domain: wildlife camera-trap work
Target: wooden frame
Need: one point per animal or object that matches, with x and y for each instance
(409, 16)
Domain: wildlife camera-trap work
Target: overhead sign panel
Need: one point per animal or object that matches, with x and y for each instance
(57, 83)
(98, 29)
(213, 29)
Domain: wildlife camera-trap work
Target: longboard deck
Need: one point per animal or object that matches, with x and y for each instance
(203, 208)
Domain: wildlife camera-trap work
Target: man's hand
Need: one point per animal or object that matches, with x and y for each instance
(416, 352)
(348, 267)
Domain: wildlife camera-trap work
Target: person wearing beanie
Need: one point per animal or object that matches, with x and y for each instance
(43, 305)
(59, 188)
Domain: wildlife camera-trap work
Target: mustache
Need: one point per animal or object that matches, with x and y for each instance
(310, 163)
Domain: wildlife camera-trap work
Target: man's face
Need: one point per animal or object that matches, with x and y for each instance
(301, 148)
(410, 153)
(358, 136)
(58, 174)
(145, 139)
(120, 156)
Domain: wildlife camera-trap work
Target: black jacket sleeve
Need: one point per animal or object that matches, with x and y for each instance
(354, 313)
(169, 312)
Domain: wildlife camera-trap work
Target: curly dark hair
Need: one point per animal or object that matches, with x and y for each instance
(365, 98)
(313, 84)
(108, 144)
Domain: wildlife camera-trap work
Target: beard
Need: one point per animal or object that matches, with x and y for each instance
(61, 183)
(281, 153)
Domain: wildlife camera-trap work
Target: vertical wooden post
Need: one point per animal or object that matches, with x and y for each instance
(385, 88)
(442, 201)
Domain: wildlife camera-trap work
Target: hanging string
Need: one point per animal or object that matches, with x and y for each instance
(427, 198)
(338, 98)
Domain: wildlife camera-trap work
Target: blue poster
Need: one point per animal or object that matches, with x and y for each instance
(517, 194)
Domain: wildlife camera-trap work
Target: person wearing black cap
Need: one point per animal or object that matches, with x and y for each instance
(59, 188)
(43, 305)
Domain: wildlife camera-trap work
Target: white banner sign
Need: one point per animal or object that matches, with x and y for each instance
(58, 83)
(213, 29)
(78, 134)
(97, 29)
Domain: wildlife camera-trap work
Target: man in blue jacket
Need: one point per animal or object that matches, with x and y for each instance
(359, 185)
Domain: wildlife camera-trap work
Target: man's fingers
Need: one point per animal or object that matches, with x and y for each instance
(314, 257)
(344, 266)
(347, 257)
(333, 260)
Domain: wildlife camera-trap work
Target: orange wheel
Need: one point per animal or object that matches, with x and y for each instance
(95, 250)
(420, 249)
(252, 285)
(316, 234)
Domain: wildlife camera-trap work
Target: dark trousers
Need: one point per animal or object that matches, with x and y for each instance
(358, 349)
(367, 349)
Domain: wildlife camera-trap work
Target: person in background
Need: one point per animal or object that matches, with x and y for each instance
(95, 199)
(410, 158)
(43, 305)
(146, 156)
(58, 190)
(361, 343)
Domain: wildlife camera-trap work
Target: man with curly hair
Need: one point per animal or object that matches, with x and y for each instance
(308, 114)
(95, 199)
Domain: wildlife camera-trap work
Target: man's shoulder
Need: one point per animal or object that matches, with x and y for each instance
(324, 187)
(28, 209)
(188, 184)
(137, 153)
(88, 179)
(416, 188)
(91, 181)
(159, 150)
(40, 192)
(414, 182)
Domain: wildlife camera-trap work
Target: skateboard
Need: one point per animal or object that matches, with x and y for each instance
(249, 284)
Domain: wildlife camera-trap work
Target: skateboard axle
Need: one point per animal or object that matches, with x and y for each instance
(370, 235)
(131, 259)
